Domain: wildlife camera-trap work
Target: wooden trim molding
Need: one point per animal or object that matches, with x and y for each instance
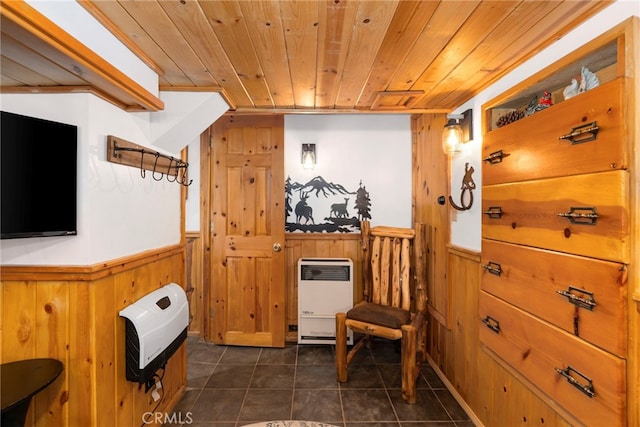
(90, 272)
(51, 41)
(464, 252)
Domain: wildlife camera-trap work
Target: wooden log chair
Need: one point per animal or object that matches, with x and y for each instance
(394, 304)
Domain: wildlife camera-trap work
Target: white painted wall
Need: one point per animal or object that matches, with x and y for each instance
(466, 227)
(373, 148)
(185, 116)
(119, 212)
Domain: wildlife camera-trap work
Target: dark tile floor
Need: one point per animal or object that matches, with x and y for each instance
(235, 386)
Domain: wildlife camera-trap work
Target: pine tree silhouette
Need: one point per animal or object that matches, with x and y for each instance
(363, 203)
(287, 200)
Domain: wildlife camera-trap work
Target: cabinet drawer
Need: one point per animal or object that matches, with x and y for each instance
(544, 355)
(583, 296)
(582, 214)
(531, 147)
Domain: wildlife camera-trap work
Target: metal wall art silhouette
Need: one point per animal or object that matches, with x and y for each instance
(325, 207)
(466, 195)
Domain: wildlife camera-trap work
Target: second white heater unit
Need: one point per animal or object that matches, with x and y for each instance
(325, 287)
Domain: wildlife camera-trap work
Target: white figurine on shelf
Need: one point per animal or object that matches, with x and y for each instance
(571, 90)
(588, 81)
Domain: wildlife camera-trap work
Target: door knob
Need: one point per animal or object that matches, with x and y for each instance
(277, 247)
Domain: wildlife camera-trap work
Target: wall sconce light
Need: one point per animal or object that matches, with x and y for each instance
(457, 131)
(308, 156)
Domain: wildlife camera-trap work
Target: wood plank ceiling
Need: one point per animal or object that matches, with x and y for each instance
(328, 55)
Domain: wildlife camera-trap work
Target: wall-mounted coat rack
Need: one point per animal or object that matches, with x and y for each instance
(127, 153)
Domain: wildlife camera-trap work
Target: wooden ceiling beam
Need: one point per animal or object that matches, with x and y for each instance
(22, 22)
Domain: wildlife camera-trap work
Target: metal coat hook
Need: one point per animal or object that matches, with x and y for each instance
(128, 153)
(184, 178)
(175, 177)
(155, 166)
(467, 187)
(142, 172)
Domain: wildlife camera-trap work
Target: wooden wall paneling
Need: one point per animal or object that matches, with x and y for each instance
(126, 392)
(77, 322)
(353, 250)
(20, 324)
(106, 329)
(206, 199)
(431, 180)
(194, 281)
(81, 403)
(464, 295)
(293, 253)
(51, 333)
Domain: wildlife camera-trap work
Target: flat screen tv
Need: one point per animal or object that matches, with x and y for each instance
(38, 177)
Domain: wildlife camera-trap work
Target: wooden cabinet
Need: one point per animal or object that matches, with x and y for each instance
(596, 390)
(539, 146)
(580, 214)
(583, 296)
(556, 228)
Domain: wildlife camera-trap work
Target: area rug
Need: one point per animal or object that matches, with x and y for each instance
(290, 423)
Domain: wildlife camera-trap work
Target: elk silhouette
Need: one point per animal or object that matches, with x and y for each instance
(303, 210)
(340, 209)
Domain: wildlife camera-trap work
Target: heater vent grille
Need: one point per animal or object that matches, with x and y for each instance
(327, 272)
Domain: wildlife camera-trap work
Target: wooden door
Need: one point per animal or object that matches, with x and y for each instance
(247, 304)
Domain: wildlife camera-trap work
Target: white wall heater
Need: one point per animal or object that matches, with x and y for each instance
(325, 287)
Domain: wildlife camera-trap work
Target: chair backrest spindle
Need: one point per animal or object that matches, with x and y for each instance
(396, 278)
(388, 258)
(406, 274)
(375, 270)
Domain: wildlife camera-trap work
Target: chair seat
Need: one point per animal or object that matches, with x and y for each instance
(378, 314)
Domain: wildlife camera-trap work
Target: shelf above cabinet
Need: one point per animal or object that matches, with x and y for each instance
(603, 56)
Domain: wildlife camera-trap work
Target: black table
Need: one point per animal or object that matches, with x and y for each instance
(19, 382)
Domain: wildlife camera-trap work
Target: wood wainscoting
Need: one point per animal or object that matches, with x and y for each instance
(195, 281)
(296, 246)
(493, 392)
(70, 313)
(315, 245)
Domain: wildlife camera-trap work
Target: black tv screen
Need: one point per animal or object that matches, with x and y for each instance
(38, 175)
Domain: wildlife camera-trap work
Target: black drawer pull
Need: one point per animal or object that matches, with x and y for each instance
(584, 133)
(589, 303)
(585, 388)
(494, 212)
(495, 157)
(492, 324)
(493, 268)
(583, 216)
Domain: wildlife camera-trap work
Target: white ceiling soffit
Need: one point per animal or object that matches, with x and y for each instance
(185, 116)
